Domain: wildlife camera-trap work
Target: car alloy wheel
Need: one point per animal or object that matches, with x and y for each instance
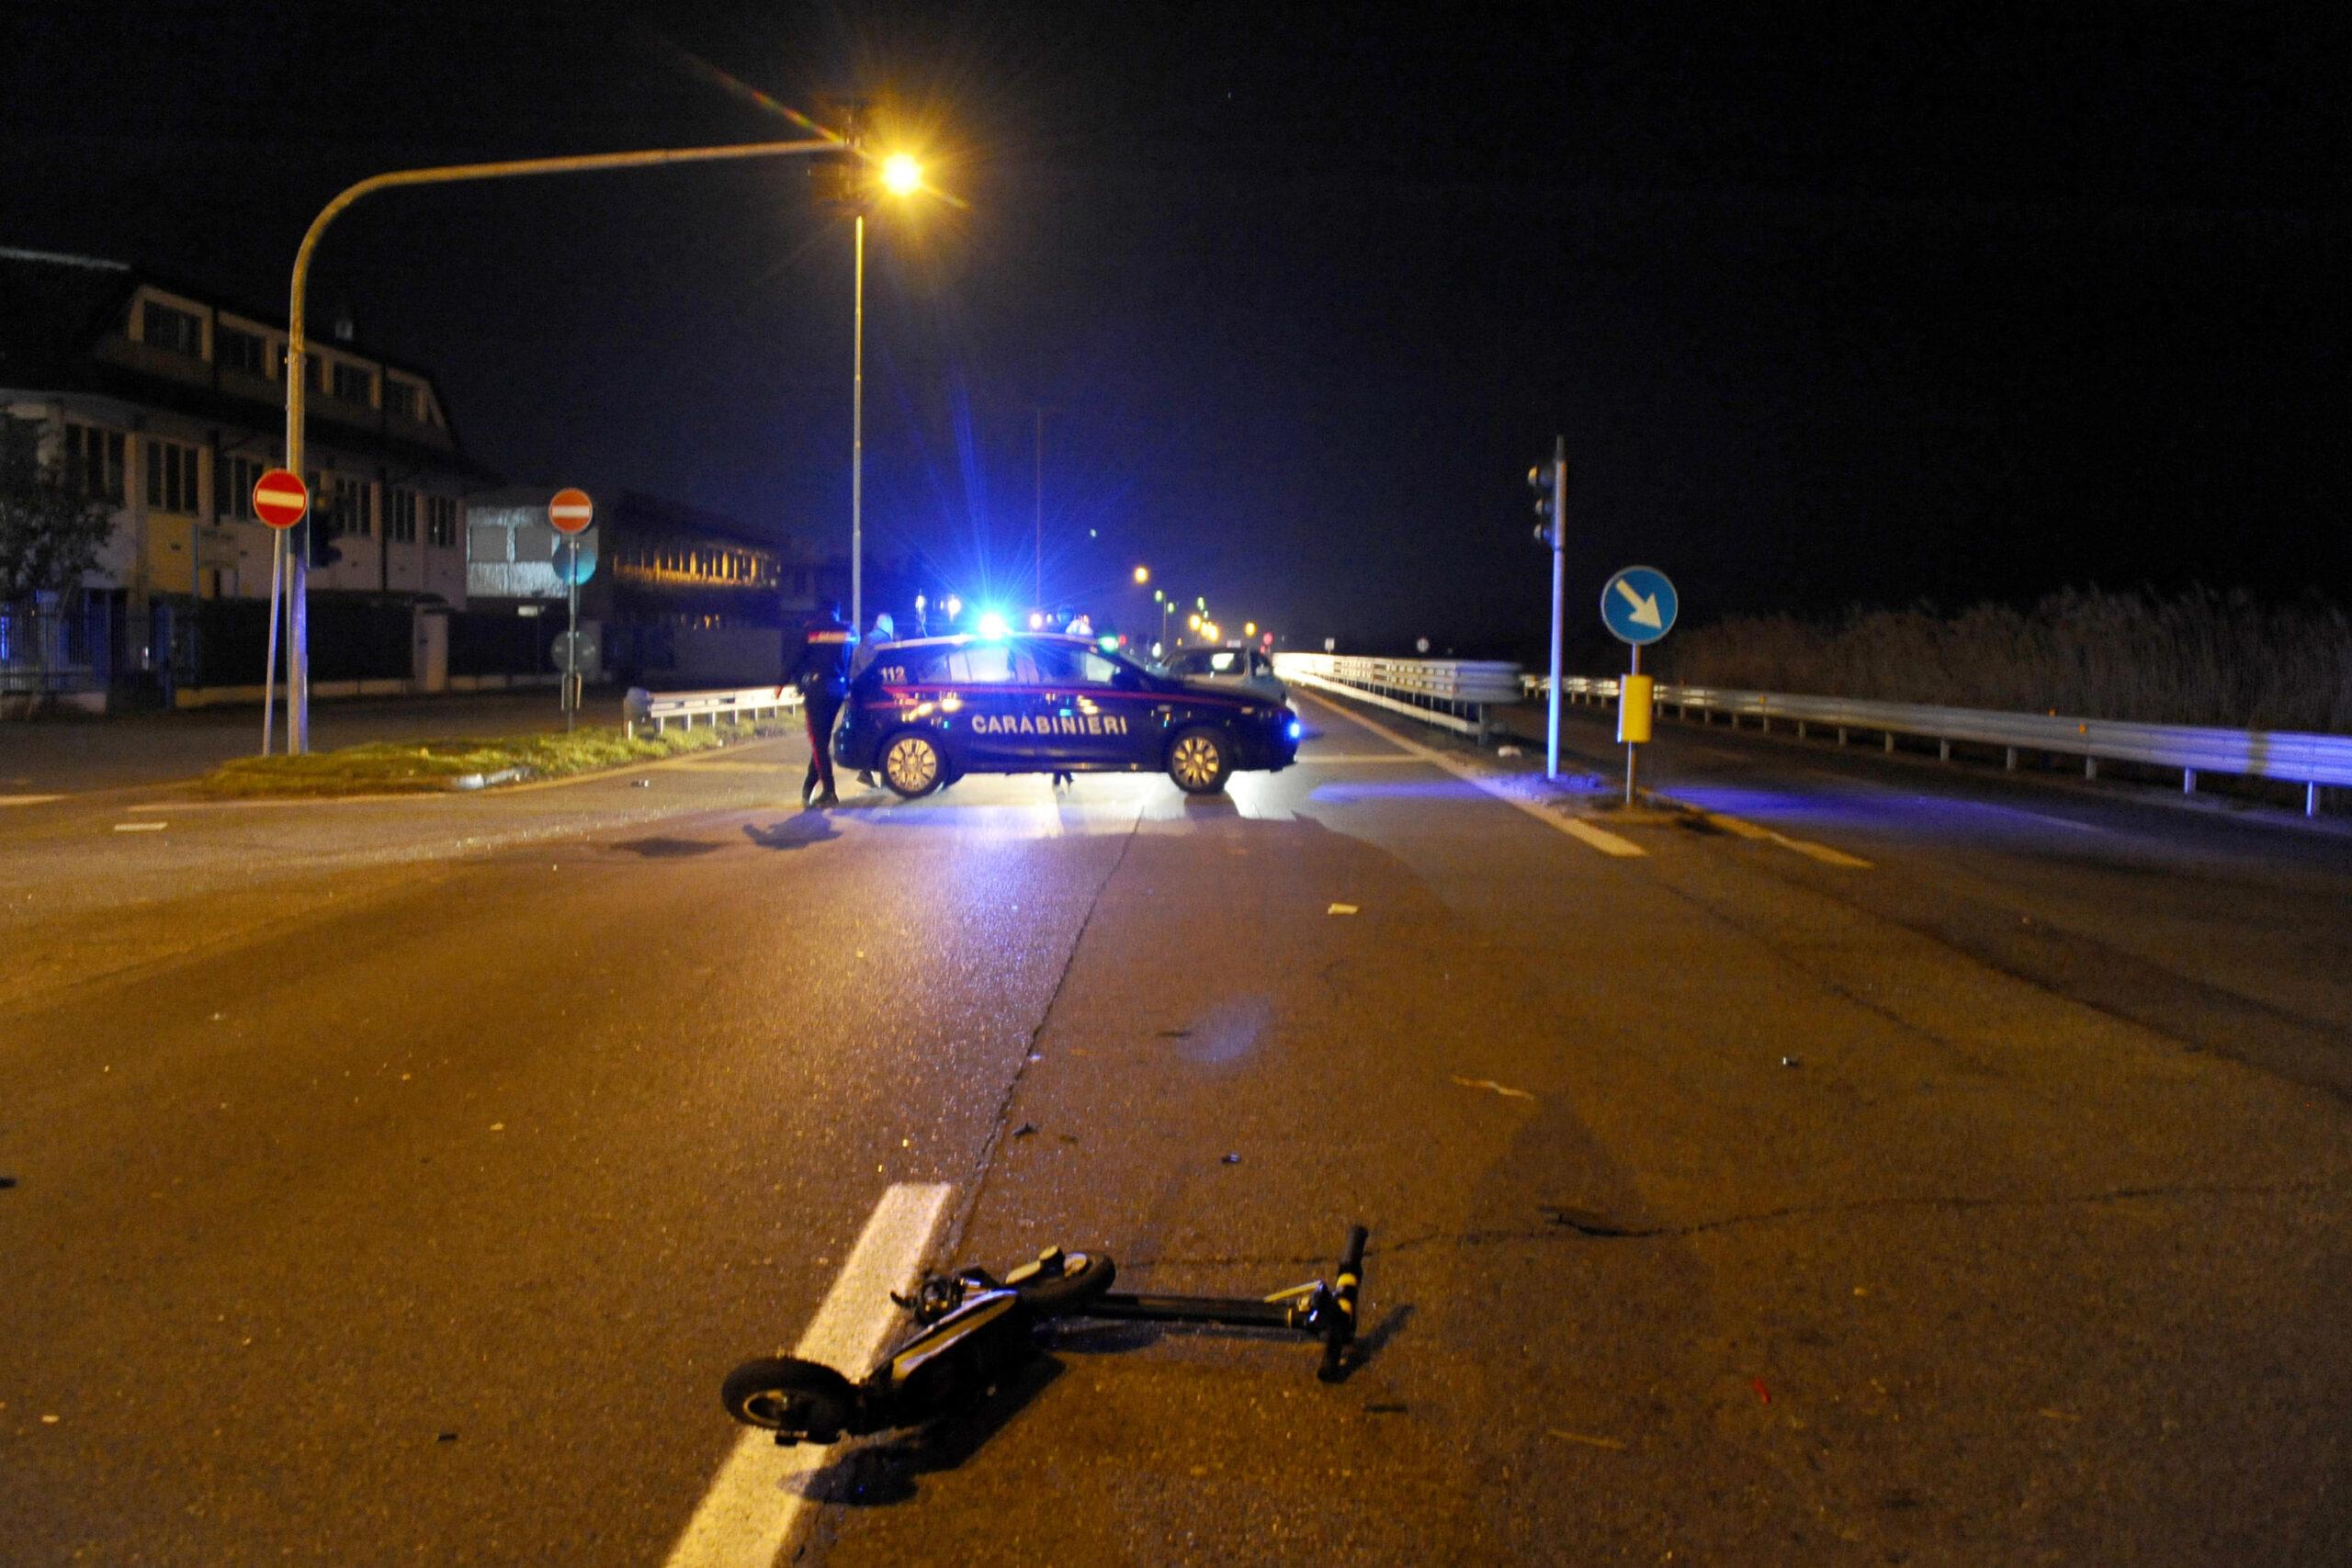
(1197, 762)
(911, 765)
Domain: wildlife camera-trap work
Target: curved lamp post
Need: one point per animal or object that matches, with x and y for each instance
(298, 663)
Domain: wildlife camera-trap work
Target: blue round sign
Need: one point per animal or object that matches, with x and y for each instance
(574, 557)
(1638, 605)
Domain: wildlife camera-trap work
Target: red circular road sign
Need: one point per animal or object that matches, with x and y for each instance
(570, 511)
(281, 497)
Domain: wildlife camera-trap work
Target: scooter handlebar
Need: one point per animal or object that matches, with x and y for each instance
(1341, 1331)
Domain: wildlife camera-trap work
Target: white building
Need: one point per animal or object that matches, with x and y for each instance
(170, 404)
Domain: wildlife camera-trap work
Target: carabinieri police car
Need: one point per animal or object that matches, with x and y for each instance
(927, 710)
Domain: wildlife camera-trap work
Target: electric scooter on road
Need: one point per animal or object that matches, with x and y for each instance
(972, 1330)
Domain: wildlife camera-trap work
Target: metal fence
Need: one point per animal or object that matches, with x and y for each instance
(2312, 760)
(660, 709)
(45, 652)
(1452, 692)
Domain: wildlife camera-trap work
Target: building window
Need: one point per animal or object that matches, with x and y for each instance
(352, 384)
(405, 399)
(171, 478)
(440, 521)
(162, 326)
(350, 508)
(93, 462)
(400, 515)
(232, 495)
(233, 348)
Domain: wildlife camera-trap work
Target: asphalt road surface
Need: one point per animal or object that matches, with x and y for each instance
(1890, 1167)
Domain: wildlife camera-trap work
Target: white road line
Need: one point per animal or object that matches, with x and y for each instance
(29, 799)
(756, 1505)
(1601, 839)
(141, 827)
(2016, 811)
(1325, 758)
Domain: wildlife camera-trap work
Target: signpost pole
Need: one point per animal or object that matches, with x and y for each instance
(269, 660)
(1632, 748)
(571, 632)
(1559, 576)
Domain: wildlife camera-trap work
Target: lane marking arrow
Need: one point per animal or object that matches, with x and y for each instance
(1645, 609)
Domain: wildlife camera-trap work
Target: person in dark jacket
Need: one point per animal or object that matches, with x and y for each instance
(822, 674)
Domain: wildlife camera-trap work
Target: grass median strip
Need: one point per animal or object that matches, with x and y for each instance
(432, 767)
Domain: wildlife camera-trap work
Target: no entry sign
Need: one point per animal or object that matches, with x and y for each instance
(281, 497)
(570, 511)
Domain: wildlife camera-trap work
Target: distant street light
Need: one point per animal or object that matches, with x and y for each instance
(1192, 622)
(901, 174)
(1248, 628)
(1142, 575)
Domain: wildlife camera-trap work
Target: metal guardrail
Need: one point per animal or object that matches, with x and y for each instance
(659, 708)
(1454, 693)
(2287, 756)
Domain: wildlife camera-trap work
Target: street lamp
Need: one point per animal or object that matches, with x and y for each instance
(297, 590)
(1142, 575)
(900, 176)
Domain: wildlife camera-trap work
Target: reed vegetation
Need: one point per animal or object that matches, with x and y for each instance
(2199, 657)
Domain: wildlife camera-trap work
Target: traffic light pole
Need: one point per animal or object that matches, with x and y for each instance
(298, 661)
(1559, 582)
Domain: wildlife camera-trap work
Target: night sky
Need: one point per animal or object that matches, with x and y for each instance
(1872, 303)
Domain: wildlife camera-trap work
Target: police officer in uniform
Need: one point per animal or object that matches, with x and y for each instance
(822, 675)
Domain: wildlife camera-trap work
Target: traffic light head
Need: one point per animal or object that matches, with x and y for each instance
(1540, 479)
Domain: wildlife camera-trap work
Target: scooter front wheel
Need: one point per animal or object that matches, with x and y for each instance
(804, 1400)
(1062, 1281)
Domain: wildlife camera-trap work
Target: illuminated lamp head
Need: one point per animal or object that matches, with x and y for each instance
(992, 625)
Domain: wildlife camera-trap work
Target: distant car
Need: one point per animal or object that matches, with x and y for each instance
(928, 711)
(1243, 667)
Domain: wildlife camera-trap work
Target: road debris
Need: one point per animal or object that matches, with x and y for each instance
(1493, 1088)
(1791, 1062)
(1613, 1444)
(141, 827)
(1762, 1392)
(1232, 1159)
(1340, 910)
(1025, 1129)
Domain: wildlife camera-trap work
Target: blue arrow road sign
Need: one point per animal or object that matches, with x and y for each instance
(1638, 605)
